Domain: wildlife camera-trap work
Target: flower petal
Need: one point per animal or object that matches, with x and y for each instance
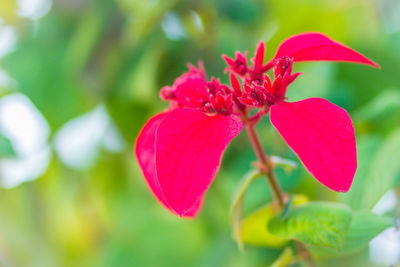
(189, 148)
(318, 47)
(145, 153)
(322, 135)
(191, 90)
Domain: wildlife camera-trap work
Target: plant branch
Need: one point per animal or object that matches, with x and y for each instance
(267, 169)
(265, 165)
(303, 252)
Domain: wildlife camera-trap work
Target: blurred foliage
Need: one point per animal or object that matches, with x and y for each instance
(6, 148)
(120, 53)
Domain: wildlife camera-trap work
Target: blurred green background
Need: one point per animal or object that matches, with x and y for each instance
(79, 78)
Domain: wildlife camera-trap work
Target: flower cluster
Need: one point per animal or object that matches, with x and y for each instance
(191, 90)
(180, 150)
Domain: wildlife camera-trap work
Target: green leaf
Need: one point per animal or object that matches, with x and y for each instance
(364, 227)
(385, 104)
(254, 232)
(285, 259)
(317, 223)
(287, 164)
(6, 148)
(141, 82)
(237, 205)
(366, 149)
(383, 172)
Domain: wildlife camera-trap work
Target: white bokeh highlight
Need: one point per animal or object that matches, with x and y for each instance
(387, 203)
(33, 9)
(172, 26)
(28, 168)
(385, 248)
(28, 132)
(79, 141)
(8, 40)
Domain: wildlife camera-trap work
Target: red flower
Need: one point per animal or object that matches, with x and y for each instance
(180, 150)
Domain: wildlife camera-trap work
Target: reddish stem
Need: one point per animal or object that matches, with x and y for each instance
(265, 164)
(267, 169)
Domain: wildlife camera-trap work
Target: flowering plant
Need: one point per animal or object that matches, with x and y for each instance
(179, 150)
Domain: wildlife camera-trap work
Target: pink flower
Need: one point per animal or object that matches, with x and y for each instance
(180, 150)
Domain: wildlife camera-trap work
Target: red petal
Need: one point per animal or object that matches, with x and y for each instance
(235, 84)
(322, 135)
(189, 149)
(191, 90)
(145, 150)
(145, 153)
(259, 57)
(318, 47)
